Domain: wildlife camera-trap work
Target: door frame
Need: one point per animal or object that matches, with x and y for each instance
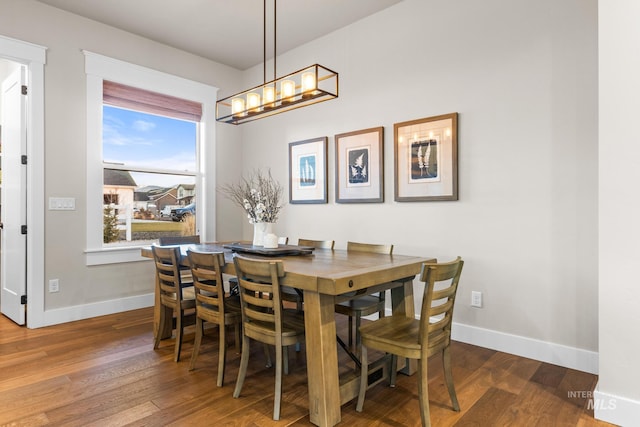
(33, 57)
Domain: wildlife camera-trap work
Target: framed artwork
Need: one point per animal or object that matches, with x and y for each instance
(308, 171)
(426, 159)
(359, 166)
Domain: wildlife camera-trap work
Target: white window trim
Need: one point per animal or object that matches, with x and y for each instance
(98, 68)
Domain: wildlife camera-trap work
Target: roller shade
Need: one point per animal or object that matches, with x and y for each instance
(123, 96)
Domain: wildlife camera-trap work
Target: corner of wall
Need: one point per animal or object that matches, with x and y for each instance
(614, 409)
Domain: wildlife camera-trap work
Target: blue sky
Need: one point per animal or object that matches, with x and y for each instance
(139, 139)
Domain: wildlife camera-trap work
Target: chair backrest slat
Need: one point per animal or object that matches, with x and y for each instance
(370, 248)
(318, 244)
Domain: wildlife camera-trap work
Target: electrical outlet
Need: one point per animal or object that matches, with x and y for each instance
(476, 299)
(54, 285)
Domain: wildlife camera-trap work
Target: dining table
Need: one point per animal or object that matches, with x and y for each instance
(325, 277)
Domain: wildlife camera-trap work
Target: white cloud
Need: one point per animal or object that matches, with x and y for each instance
(112, 135)
(143, 126)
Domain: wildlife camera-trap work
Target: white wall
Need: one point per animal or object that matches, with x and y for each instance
(619, 317)
(87, 291)
(523, 78)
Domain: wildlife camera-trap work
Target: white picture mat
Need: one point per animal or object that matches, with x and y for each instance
(299, 192)
(370, 190)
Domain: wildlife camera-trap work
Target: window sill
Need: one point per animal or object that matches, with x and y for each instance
(114, 255)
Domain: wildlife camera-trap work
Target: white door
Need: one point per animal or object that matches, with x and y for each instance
(13, 210)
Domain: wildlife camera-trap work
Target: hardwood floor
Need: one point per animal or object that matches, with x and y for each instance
(104, 371)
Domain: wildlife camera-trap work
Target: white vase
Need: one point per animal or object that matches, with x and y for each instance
(261, 229)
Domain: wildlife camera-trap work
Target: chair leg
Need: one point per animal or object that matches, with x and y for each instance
(179, 331)
(358, 338)
(161, 321)
(244, 363)
(393, 370)
(267, 354)
(222, 353)
(423, 392)
(448, 376)
(364, 379)
(238, 338)
(350, 331)
(196, 343)
(285, 360)
(278, 390)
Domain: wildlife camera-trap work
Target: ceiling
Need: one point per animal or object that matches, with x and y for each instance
(226, 31)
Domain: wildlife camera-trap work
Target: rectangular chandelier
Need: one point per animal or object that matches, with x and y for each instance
(304, 87)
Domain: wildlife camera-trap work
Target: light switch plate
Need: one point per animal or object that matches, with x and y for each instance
(62, 203)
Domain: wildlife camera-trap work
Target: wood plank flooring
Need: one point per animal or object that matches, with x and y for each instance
(104, 372)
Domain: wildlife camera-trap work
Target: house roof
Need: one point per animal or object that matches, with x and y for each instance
(118, 178)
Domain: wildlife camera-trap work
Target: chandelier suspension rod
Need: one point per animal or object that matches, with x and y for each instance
(264, 40)
(275, 5)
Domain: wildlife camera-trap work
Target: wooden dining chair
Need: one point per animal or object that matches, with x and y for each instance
(264, 319)
(418, 339)
(212, 305)
(362, 305)
(174, 296)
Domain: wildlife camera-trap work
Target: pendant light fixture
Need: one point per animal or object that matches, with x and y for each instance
(307, 86)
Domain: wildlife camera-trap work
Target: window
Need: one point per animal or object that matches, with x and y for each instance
(148, 154)
(149, 164)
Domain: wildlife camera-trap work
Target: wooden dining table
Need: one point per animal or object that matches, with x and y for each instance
(325, 277)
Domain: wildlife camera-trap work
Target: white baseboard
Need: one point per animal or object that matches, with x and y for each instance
(79, 312)
(614, 409)
(557, 354)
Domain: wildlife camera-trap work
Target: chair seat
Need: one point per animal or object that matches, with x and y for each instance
(366, 305)
(292, 328)
(392, 335)
(232, 313)
(400, 335)
(188, 298)
(231, 302)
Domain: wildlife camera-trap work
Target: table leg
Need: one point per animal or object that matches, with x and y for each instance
(402, 303)
(322, 359)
